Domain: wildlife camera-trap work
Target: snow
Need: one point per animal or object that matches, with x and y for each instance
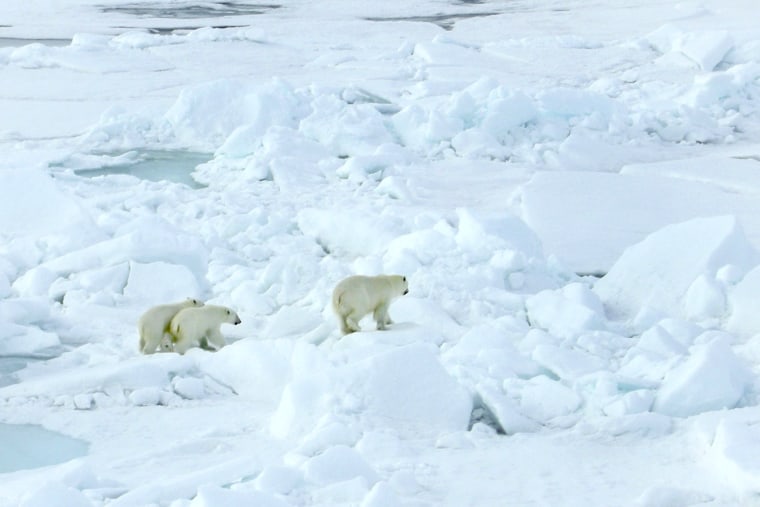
(572, 194)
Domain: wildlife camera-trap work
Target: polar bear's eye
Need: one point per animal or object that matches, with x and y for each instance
(228, 312)
(403, 278)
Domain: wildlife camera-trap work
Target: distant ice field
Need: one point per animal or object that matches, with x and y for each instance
(570, 189)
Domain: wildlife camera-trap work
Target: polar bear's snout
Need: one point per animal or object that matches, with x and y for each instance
(406, 291)
(237, 321)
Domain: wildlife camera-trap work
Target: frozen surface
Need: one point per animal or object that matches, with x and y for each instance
(571, 190)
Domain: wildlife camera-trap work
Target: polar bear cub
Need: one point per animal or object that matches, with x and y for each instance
(199, 327)
(356, 296)
(153, 325)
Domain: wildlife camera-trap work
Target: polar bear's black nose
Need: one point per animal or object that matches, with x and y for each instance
(406, 291)
(238, 321)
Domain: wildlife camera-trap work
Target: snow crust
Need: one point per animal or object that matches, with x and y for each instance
(572, 194)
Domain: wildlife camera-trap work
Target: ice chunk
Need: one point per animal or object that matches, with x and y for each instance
(711, 378)
(353, 234)
(480, 233)
(279, 480)
(381, 495)
(566, 312)
(45, 211)
(253, 368)
(608, 215)
(744, 301)
(707, 48)
(143, 240)
(659, 271)
(55, 493)
(158, 282)
(736, 455)
(543, 399)
(215, 496)
(566, 363)
(408, 389)
(337, 464)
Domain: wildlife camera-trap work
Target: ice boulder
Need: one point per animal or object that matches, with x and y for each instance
(735, 454)
(337, 464)
(744, 301)
(215, 496)
(481, 233)
(158, 282)
(566, 312)
(55, 493)
(144, 240)
(407, 389)
(659, 271)
(711, 378)
(46, 211)
(707, 48)
(233, 114)
(353, 234)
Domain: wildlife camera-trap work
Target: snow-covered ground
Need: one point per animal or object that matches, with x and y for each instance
(572, 189)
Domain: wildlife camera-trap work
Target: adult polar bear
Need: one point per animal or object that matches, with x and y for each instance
(153, 325)
(358, 295)
(193, 325)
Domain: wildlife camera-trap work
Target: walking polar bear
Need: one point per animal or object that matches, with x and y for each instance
(153, 325)
(357, 296)
(199, 327)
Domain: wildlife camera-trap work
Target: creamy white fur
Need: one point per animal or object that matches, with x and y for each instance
(358, 295)
(153, 325)
(191, 326)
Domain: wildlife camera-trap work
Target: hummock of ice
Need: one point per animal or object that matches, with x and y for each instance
(478, 162)
(659, 273)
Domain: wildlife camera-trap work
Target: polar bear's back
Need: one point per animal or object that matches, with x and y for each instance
(202, 318)
(158, 317)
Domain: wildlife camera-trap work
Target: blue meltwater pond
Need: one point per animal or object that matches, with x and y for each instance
(156, 165)
(25, 446)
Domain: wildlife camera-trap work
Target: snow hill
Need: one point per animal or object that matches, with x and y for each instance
(570, 188)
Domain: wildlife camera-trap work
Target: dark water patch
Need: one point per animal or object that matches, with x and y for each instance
(178, 30)
(189, 11)
(445, 21)
(155, 165)
(15, 42)
(27, 446)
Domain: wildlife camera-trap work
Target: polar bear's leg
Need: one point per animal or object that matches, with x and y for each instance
(149, 342)
(183, 343)
(351, 323)
(344, 327)
(381, 316)
(166, 345)
(215, 339)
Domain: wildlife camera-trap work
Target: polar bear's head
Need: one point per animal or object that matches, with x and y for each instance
(191, 303)
(399, 284)
(230, 316)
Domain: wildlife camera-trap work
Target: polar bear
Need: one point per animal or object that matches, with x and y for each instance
(356, 296)
(199, 327)
(153, 325)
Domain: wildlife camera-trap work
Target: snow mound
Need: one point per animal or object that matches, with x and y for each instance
(711, 378)
(735, 455)
(48, 211)
(659, 271)
(408, 389)
(743, 301)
